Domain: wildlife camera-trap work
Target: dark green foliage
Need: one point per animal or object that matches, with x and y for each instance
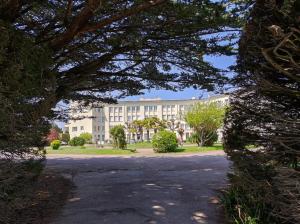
(118, 135)
(65, 137)
(24, 82)
(13, 178)
(55, 144)
(265, 112)
(53, 51)
(77, 141)
(164, 141)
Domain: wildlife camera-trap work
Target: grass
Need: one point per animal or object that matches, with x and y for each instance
(193, 149)
(142, 145)
(88, 151)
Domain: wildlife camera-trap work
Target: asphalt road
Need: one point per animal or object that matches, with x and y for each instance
(143, 190)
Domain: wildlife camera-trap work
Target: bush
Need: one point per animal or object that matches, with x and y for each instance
(65, 137)
(211, 140)
(87, 137)
(164, 141)
(195, 138)
(77, 141)
(55, 144)
(118, 136)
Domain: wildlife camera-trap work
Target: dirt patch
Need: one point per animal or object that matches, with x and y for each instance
(38, 202)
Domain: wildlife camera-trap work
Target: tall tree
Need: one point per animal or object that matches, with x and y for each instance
(265, 112)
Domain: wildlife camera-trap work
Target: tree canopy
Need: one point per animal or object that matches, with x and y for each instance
(205, 119)
(95, 50)
(98, 47)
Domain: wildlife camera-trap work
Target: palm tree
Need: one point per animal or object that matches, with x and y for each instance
(138, 126)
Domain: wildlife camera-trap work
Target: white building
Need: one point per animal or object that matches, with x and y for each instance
(98, 121)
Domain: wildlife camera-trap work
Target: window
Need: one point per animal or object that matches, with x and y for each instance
(111, 118)
(116, 118)
(110, 109)
(164, 117)
(128, 109)
(128, 118)
(74, 128)
(120, 109)
(133, 109)
(138, 109)
(98, 128)
(146, 108)
(116, 110)
(120, 118)
(155, 108)
(81, 128)
(150, 108)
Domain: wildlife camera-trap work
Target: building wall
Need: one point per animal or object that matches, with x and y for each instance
(100, 120)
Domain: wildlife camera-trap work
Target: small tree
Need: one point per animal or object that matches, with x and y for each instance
(153, 123)
(87, 137)
(205, 119)
(180, 131)
(137, 127)
(173, 124)
(65, 137)
(118, 136)
(53, 135)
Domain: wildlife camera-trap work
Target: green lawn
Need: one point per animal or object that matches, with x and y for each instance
(140, 145)
(192, 149)
(88, 151)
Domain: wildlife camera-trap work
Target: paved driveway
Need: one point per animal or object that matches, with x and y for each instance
(138, 190)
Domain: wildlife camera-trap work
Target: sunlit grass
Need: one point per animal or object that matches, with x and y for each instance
(88, 151)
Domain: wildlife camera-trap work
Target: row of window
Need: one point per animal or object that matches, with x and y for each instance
(115, 118)
(81, 128)
(115, 110)
(133, 109)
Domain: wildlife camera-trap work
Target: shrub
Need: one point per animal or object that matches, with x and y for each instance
(118, 136)
(65, 137)
(195, 138)
(55, 144)
(77, 141)
(164, 141)
(87, 137)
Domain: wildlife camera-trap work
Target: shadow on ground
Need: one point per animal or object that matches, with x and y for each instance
(154, 190)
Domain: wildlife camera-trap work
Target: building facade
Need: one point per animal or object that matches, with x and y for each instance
(99, 120)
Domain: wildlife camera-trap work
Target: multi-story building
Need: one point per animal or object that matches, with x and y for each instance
(99, 120)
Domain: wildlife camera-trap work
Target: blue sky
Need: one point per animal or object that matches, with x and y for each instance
(218, 61)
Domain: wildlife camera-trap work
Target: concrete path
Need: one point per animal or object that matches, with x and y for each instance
(179, 189)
